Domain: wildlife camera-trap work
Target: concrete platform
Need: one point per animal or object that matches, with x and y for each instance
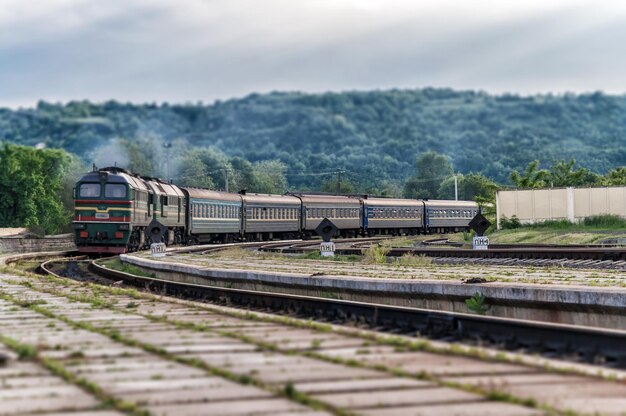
(189, 379)
(575, 304)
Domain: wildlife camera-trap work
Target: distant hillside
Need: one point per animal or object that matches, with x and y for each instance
(373, 135)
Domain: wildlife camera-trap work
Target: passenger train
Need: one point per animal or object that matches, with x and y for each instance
(113, 207)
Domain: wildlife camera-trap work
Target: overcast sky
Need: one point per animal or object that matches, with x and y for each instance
(202, 50)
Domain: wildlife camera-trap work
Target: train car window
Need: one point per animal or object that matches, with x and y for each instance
(89, 190)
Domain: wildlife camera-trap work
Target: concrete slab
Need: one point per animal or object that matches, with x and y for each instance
(148, 374)
(62, 390)
(48, 404)
(381, 399)
(226, 392)
(370, 384)
(464, 409)
(136, 386)
(230, 408)
(84, 413)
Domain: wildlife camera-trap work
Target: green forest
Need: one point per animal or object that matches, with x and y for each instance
(392, 143)
(374, 137)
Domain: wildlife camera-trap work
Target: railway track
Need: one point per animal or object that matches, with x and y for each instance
(592, 254)
(581, 344)
(578, 343)
(135, 319)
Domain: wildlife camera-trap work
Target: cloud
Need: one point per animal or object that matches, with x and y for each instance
(158, 50)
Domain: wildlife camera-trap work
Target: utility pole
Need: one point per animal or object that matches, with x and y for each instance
(339, 172)
(456, 188)
(225, 179)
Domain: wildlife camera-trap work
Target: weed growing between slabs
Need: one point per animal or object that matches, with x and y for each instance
(29, 352)
(492, 393)
(116, 336)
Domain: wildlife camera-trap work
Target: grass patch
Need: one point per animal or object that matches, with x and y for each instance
(116, 264)
(411, 260)
(316, 255)
(376, 254)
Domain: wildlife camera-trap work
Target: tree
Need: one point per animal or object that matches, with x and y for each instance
(191, 171)
(31, 181)
(270, 177)
(563, 174)
(242, 174)
(432, 169)
(470, 187)
(614, 177)
(533, 177)
(345, 186)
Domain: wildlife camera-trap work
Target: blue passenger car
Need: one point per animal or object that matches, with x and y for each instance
(212, 216)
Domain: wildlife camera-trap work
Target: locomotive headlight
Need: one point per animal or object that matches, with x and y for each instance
(78, 226)
(124, 227)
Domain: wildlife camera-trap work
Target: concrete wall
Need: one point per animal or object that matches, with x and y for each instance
(32, 245)
(572, 204)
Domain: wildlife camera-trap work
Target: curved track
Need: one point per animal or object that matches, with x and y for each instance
(578, 343)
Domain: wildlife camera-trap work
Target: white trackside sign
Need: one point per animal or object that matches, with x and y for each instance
(480, 243)
(158, 249)
(327, 249)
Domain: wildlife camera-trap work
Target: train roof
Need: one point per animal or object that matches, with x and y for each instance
(200, 193)
(450, 204)
(328, 199)
(393, 202)
(270, 199)
(115, 175)
(164, 188)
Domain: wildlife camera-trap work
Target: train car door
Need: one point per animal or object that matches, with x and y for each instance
(426, 217)
(242, 217)
(365, 214)
(150, 203)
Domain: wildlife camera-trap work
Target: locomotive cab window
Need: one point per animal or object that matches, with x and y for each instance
(114, 190)
(89, 190)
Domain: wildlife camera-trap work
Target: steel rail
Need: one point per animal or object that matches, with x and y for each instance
(586, 253)
(587, 343)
